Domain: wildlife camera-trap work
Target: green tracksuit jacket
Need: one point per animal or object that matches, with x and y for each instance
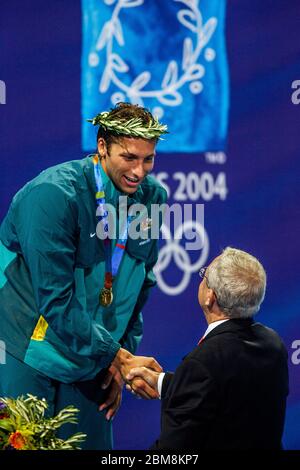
(52, 269)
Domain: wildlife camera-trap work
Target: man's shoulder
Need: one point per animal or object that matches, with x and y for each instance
(269, 336)
(65, 172)
(66, 177)
(232, 337)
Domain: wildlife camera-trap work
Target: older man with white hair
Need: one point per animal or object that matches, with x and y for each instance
(230, 391)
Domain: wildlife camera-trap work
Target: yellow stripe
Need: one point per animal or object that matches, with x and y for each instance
(40, 330)
(99, 194)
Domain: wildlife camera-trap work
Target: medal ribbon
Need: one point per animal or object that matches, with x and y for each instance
(112, 260)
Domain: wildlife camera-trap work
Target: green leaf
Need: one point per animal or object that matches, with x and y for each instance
(6, 424)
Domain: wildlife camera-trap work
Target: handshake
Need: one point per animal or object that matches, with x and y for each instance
(139, 372)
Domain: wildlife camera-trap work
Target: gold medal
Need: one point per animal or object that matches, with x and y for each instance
(106, 297)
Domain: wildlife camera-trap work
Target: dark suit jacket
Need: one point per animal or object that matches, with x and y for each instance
(228, 393)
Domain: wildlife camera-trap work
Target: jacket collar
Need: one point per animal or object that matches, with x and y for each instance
(231, 325)
(112, 194)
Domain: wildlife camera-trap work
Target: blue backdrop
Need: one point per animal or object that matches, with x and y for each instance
(168, 56)
(250, 192)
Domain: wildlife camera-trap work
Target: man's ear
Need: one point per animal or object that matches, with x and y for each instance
(210, 298)
(102, 149)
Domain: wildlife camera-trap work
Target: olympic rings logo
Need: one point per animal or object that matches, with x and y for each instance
(173, 250)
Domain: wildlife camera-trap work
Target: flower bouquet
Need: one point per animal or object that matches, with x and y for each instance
(23, 425)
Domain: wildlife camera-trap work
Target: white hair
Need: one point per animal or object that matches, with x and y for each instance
(239, 282)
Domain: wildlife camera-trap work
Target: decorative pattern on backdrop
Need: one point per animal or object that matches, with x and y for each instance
(168, 56)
